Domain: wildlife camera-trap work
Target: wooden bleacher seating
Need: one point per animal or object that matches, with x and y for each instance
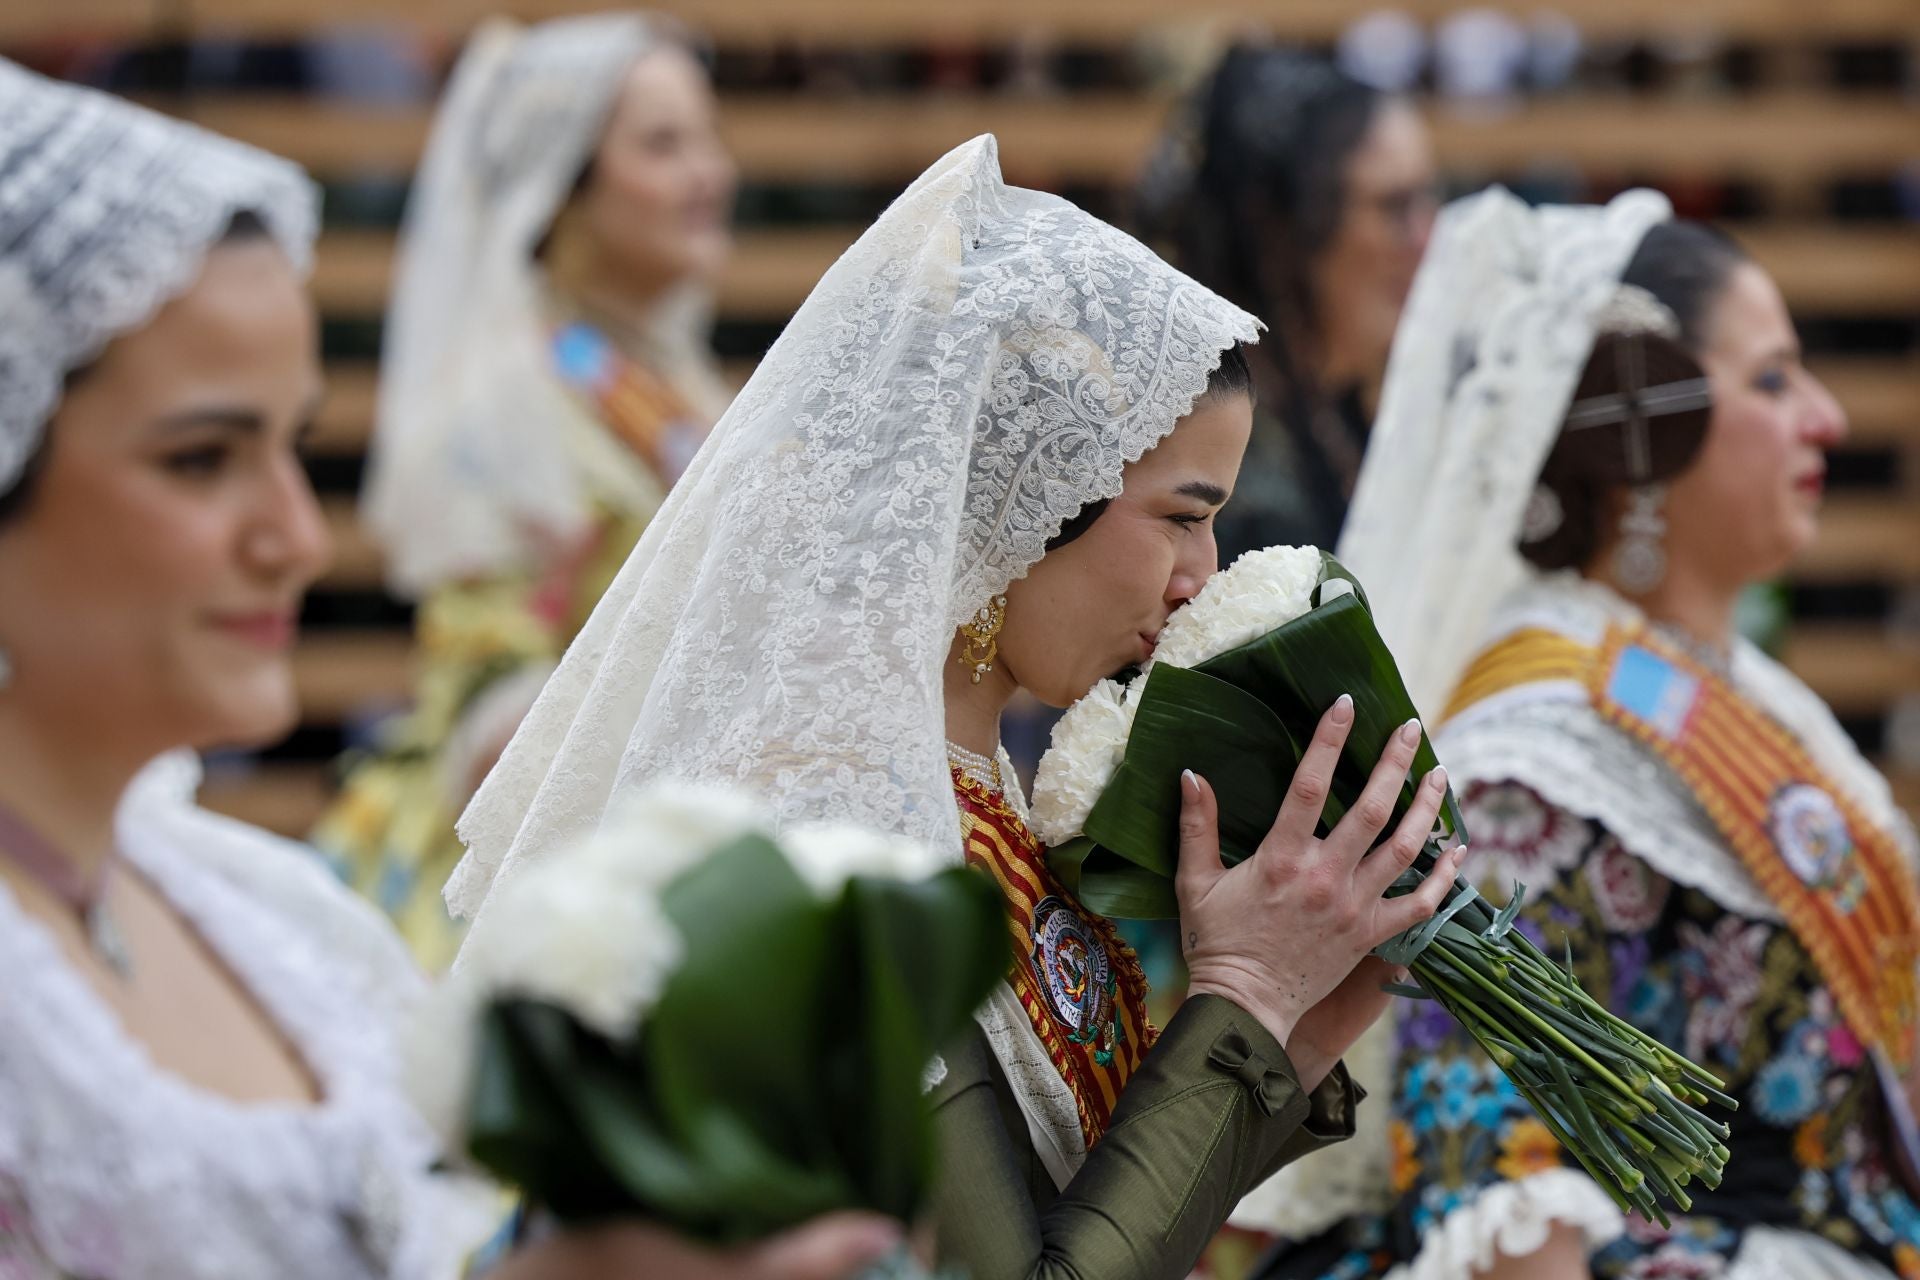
(1790, 136)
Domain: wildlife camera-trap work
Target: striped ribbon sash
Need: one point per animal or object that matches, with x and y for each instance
(639, 406)
(1837, 877)
(1080, 984)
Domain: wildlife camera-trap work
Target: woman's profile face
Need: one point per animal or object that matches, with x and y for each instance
(1751, 500)
(151, 582)
(660, 195)
(1095, 606)
(1363, 275)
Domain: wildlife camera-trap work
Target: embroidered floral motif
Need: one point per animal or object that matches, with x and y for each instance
(1518, 836)
(1787, 1090)
(1406, 1164)
(1526, 1148)
(1626, 892)
(1720, 979)
(1810, 1143)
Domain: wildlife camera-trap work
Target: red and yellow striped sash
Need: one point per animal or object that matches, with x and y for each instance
(1837, 877)
(1080, 984)
(637, 405)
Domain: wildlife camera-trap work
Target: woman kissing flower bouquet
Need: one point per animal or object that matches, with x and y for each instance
(1237, 684)
(687, 1018)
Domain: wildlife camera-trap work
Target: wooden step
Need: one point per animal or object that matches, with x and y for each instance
(1881, 396)
(1821, 269)
(345, 423)
(358, 563)
(1782, 135)
(1857, 669)
(1842, 270)
(283, 798)
(1864, 539)
(345, 674)
(856, 23)
(1906, 792)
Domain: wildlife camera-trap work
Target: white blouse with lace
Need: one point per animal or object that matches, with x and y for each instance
(112, 1167)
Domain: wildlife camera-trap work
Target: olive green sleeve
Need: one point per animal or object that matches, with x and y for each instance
(1212, 1110)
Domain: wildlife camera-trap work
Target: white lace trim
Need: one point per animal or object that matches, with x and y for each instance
(1046, 1100)
(107, 211)
(1578, 762)
(128, 1172)
(1514, 1218)
(1053, 1118)
(1769, 1253)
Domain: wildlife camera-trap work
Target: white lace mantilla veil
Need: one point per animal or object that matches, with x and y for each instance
(980, 365)
(471, 471)
(107, 211)
(1496, 331)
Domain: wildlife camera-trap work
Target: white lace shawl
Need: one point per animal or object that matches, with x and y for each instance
(123, 1171)
(470, 409)
(980, 365)
(107, 211)
(1554, 742)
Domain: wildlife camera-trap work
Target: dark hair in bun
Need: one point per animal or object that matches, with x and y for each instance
(1685, 266)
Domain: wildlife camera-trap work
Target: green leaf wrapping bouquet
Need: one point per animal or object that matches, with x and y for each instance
(689, 1018)
(1237, 685)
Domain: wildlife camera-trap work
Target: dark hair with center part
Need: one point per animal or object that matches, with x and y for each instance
(1231, 376)
(1686, 267)
(244, 226)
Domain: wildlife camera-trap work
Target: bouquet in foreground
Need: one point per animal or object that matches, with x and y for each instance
(687, 1018)
(1238, 682)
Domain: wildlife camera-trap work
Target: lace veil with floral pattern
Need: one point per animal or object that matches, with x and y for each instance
(981, 364)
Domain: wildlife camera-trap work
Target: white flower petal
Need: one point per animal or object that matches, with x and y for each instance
(826, 854)
(1088, 744)
(1262, 590)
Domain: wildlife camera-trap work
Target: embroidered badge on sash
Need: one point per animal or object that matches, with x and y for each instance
(1074, 971)
(1077, 981)
(1811, 834)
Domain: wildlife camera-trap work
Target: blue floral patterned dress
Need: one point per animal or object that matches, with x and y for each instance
(1810, 1140)
(1668, 928)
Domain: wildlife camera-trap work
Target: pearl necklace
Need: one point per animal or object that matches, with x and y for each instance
(984, 770)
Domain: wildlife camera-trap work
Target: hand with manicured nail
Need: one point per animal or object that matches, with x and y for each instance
(1284, 934)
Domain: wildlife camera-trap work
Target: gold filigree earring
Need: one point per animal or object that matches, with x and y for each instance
(980, 637)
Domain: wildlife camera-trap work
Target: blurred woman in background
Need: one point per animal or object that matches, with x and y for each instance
(1623, 396)
(545, 379)
(1306, 197)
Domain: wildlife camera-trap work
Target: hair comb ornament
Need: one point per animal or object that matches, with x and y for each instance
(1634, 313)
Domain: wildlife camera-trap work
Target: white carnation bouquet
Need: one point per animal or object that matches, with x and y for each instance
(1236, 687)
(688, 1018)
